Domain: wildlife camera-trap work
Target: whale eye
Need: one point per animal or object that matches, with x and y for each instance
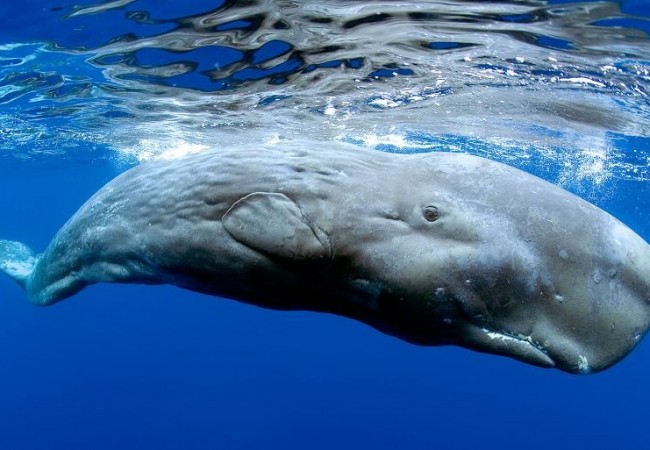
(430, 213)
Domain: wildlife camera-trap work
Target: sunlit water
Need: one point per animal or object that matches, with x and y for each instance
(557, 89)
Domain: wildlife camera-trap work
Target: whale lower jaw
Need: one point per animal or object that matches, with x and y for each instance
(515, 346)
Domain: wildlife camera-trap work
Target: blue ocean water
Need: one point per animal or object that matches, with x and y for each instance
(558, 88)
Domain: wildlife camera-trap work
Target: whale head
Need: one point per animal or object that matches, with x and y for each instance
(497, 260)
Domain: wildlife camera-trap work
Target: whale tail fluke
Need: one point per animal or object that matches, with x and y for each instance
(17, 260)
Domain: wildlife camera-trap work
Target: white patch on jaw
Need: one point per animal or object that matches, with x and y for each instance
(499, 336)
(520, 338)
(583, 364)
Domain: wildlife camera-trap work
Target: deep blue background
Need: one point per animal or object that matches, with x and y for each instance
(138, 367)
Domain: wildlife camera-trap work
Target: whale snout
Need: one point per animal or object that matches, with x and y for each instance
(604, 308)
(582, 349)
(597, 334)
(580, 311)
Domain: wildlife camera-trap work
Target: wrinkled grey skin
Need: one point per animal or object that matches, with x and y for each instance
(432, 248)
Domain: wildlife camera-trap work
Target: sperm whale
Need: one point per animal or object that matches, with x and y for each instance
(435, 249)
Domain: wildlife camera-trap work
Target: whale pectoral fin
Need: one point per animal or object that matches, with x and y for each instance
(273, 224)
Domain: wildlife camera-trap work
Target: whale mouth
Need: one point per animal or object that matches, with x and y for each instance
(516, 346)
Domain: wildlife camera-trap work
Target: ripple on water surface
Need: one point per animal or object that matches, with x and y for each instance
(555, 88)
